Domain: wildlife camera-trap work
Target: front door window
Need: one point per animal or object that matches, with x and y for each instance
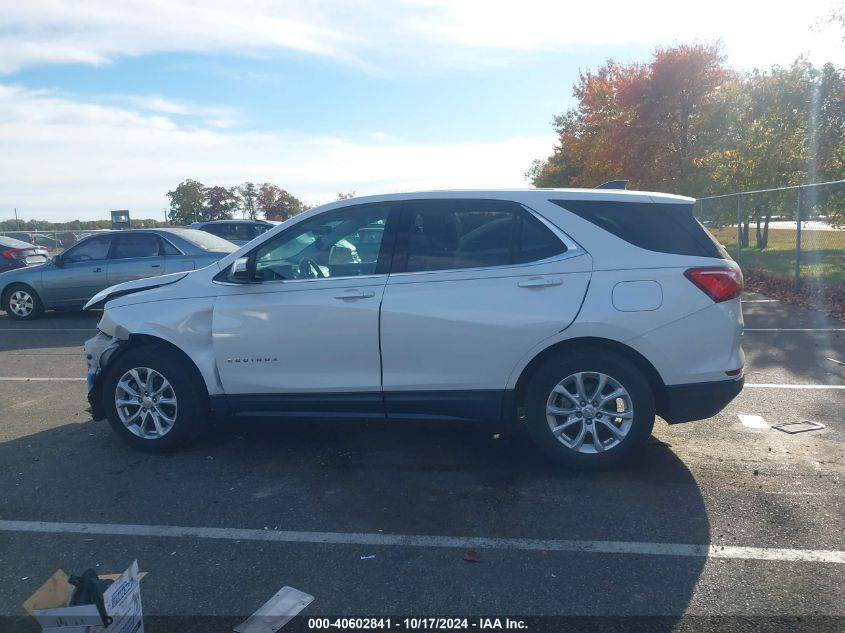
(343, 244)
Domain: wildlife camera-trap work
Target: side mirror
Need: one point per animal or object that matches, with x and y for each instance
(239, 271)
(57, 260)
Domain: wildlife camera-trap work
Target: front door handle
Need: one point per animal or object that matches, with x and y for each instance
(156, 265)
(98, 270)
(356, 294)
(539, 282)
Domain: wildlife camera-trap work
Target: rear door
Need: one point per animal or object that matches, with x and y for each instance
(135, 255)
(476, 284)
(81, 275)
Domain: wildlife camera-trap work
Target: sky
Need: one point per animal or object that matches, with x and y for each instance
(108, 104)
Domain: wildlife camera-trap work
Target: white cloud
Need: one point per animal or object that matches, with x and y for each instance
(65, 159)
(391, 36)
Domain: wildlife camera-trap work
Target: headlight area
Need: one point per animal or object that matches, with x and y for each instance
(98, 350)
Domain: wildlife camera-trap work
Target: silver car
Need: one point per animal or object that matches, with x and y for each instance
(71, 278)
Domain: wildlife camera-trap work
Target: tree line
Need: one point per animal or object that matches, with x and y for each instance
(25, 226)
(191, 201)
(685, 122)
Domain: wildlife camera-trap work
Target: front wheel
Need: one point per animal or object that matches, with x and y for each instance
(22, 303)
(589, 409)
(154, 399)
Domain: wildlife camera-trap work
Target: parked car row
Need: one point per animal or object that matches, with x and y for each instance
(98, 261)
(51, 241)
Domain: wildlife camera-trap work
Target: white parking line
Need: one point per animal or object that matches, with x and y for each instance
(418, 540)
(39, 379)
(794, 329)
(763, 385)
(761, 300)
(49, 329)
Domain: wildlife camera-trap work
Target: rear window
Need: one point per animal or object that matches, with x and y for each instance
(205, 241)
(664, 228)
(10, 242)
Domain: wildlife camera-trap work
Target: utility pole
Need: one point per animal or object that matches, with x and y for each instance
(18, 222)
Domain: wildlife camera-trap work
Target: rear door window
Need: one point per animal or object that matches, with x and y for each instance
(459, 234)
(663, 228)
(134, 245)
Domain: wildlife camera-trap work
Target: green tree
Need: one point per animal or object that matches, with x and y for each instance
(220, 203)
(248, 194)
(187, 202)
(276, 203)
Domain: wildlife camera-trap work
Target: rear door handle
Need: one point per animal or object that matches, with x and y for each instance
(356, 294)
(156, 265)
(98, 270)
(539, 282)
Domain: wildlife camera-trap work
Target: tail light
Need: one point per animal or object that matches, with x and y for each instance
(12, 253)
(720, 284)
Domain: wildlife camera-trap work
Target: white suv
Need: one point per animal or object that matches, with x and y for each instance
(585, 312)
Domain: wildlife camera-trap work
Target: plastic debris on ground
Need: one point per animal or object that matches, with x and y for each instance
(799, 426)
(472, 556)
(276, 612)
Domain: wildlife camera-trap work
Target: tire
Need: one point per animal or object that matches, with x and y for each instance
(159, 426)
(22, 303)
(609, 447)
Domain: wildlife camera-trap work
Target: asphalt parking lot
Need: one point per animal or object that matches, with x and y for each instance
(717, 524)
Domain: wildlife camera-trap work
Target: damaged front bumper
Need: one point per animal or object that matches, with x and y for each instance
(98, 350)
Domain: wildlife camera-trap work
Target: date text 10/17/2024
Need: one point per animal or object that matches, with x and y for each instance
(417, 624)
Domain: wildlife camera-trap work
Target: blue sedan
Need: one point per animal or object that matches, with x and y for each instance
(101, 260)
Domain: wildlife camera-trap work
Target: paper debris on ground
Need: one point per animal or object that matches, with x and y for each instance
(753, 421)
(122, 599)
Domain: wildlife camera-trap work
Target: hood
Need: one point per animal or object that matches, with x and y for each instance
(130, 287)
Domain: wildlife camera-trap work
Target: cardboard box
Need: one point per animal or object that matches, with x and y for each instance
(49, 605)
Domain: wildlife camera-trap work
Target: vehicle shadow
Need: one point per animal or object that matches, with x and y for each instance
(377, 477)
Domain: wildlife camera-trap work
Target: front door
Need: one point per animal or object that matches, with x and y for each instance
(303, 337)
(478, 284)
(81, 273)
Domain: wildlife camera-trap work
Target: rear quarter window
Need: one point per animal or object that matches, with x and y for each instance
(663, 228)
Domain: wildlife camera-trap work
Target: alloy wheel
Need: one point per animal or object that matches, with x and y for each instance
(146, 403)
(589, 412)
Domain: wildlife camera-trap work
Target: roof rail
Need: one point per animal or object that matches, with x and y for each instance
(614, 184)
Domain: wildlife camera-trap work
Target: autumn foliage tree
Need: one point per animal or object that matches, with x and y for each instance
(686, 123)
(276, 203)
(191, 201)
(220, 203)
(644, 122)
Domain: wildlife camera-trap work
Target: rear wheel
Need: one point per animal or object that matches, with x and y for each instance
(589, 409)
(154, 399)
(22, 303)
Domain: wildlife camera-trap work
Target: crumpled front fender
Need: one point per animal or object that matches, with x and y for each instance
(98, 351)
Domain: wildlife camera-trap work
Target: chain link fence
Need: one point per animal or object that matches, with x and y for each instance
(795, 233)
(54, 241)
